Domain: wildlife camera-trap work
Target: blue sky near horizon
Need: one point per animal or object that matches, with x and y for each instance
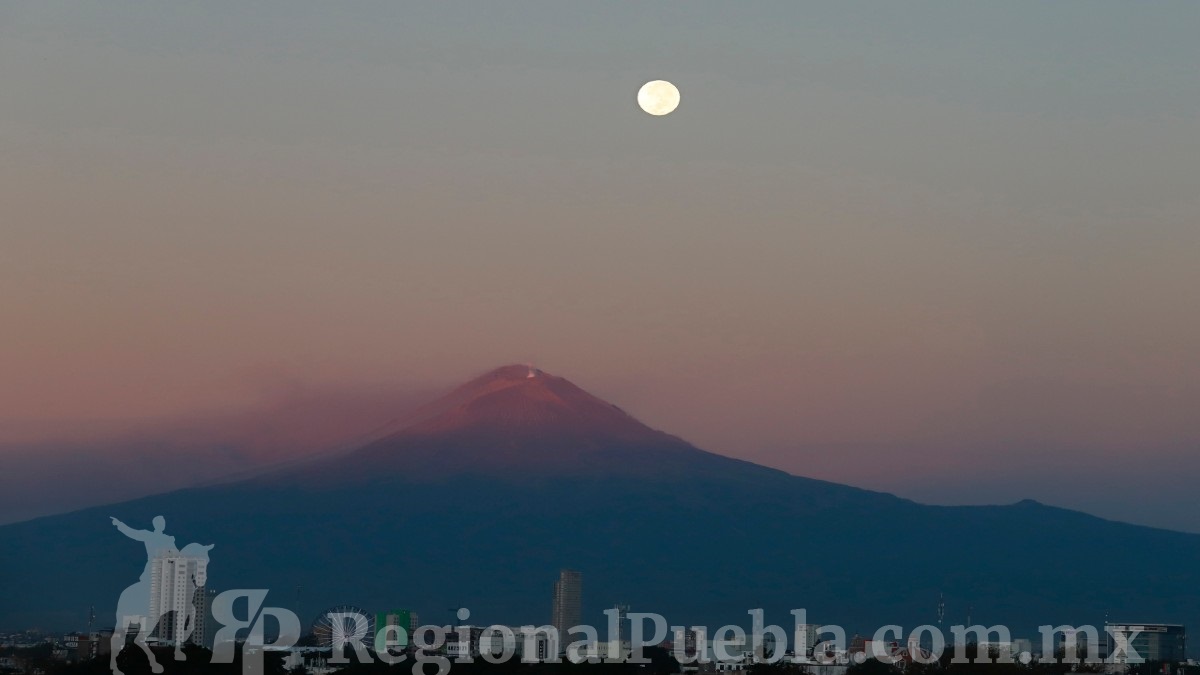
(943, 249)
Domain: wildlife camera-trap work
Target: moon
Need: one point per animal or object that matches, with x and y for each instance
(658, 97)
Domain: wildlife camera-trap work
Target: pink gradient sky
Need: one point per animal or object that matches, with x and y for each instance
(884, 248)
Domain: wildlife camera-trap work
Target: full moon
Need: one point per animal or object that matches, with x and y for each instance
(658, 97)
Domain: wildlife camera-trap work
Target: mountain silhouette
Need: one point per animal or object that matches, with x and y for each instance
(481, 496)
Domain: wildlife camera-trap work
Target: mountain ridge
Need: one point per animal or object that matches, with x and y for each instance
(495, 486)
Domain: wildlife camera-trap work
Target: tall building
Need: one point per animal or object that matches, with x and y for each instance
(622, 622)
(568, 593)
(177, 592)
(806, 638)
(203, 603)
(1148, 642)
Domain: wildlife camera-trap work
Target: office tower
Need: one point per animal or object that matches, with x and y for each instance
(177, 592)
(568, 591)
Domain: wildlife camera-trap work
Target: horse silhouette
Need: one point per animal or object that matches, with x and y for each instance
(134, 605)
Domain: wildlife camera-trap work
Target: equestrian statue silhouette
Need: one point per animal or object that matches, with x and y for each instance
(135, 605)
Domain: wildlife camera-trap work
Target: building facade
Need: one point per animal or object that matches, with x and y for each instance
(568, 597)
(387, 638)
(177, 597)
(1148, 642)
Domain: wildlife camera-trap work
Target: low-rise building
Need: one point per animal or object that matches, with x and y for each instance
(1146, 642)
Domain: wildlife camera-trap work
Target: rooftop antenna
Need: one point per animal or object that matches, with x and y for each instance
(91, 617)
(941, 608)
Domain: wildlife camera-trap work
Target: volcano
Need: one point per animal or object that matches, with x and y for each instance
(480, 497)
(524, 401)
(520, 421)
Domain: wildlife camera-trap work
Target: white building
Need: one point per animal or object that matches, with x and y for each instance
(527, 643)
(177, 596)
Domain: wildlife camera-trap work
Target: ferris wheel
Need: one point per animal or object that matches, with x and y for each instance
(343, 626)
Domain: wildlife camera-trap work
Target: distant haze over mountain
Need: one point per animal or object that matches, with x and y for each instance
(481, 496)
(285, 417)
(72, 466)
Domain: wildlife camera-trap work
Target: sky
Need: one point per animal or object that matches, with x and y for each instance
(946, 250)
